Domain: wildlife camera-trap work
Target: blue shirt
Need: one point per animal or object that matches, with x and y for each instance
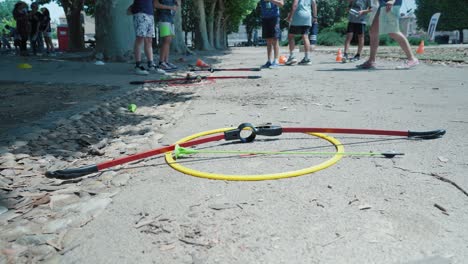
(166, 15)
(269, 9)
(143, 6)
(303, 14)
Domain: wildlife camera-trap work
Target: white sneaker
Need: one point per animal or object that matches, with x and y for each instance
(140, 70)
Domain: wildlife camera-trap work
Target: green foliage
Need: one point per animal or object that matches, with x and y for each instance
(188, 16)
(414, 41)
(6, 13)
(330, 11)
(330, 39)
(236, 11)
(339, 27)
(386, 40)
(454, 14)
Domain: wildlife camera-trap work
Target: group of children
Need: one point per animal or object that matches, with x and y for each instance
(32, 25)
(383, 17)
(143, 21)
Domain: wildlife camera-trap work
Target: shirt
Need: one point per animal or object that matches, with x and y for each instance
(359, 5)
(166, 15)
(143, 6)
(303, 14)
(269, 9)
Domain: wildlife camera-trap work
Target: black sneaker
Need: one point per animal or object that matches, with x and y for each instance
(305, 61)
(356, 58)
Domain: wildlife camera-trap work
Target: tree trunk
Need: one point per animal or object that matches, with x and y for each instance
(72, 11)
(203, 40)
(211, 21)
(115, 35)
(462, 38)
(219, 25)
(178, 43)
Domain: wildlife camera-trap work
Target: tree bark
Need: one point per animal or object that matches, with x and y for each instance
(178, 43)
(219, 25)
(203, 42)
(115, 35)
(72, 9)
(461, 36)
(211, 22)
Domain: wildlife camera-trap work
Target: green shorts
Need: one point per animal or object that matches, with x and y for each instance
(166, 29)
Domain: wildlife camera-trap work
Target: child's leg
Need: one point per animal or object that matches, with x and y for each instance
(349, 37)
(374, 38)
(360, 43)
(305, 39)
(404, 44)
(149, 49)
(269, 42)
(137, 48)
(291, 43)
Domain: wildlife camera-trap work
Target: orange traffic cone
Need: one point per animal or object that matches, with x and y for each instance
(201, 64)
(420, 49)
(339, 56)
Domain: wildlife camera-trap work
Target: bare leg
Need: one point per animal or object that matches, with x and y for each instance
(305, 39)
(165, 48)
(149, 49)
(404, 44)
(291, 43)
(276, 48)
(137, 48)
(360, 43)
(349, 37)
(374, 39)
(269, 42)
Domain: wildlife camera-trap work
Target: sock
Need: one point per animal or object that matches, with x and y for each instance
(306, 55)
(138, 64)
(150, 63)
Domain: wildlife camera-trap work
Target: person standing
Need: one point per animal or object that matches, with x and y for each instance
(358, 10)
(271, 29)
(20, 14)
(46, 29)
(143, 22)
(6, 39)
(300, 21)
(165, 14)
(35, 18)
(385, 20)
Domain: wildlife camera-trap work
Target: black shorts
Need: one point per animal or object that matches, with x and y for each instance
(271, 28)
(299, 30)
(356, 28)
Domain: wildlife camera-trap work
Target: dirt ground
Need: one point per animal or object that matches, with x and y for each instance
(410, 209)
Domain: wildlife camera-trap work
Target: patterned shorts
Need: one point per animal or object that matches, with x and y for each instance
(144, 25)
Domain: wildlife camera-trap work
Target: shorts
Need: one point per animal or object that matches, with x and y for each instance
(356, 28)
(144, 25)
(299, 30)
(166, 29)
(271, 28)
(47, 34)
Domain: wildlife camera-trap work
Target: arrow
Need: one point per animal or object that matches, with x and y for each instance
(180, 151)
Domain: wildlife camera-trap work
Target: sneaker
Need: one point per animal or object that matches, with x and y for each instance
(140, 70)
(165, 67)
(173, 66)
(345, 58)
(274, 65)
(408, 64)
(356, 58)
(305, 61)
(367, 66)
(155, 68)
(266, 65)
(291, 60)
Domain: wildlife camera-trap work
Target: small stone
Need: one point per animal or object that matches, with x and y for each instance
(120, 180)
(59, 201)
